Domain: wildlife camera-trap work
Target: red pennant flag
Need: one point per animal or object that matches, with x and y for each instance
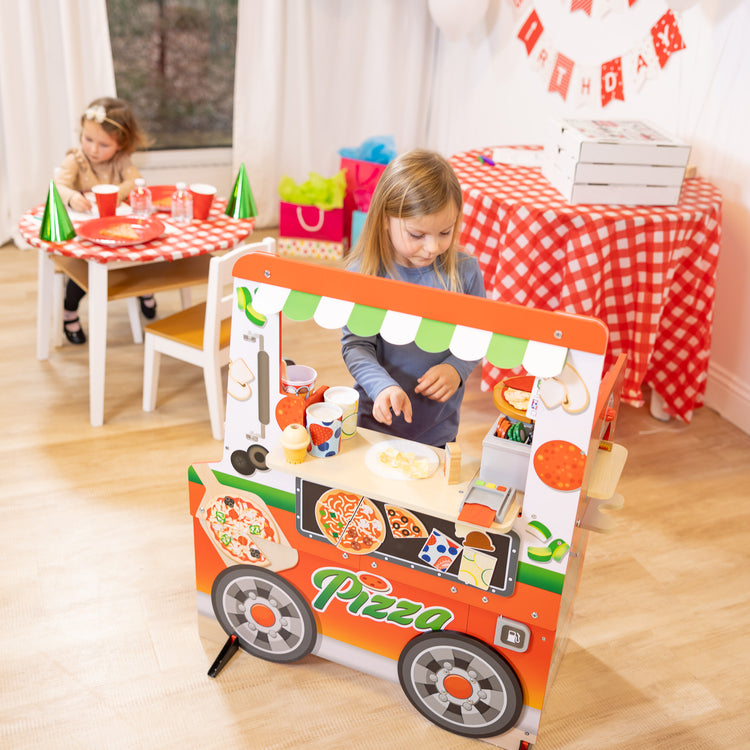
(561, 72)
(666, 37)
(584, 5)
(612, 81)
(631, 3)
(531, 31)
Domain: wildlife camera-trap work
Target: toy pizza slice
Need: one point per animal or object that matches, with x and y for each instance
(122, 231)
(404, 524)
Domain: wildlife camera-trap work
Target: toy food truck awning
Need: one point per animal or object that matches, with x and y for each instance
(508, 335)
(537, 358)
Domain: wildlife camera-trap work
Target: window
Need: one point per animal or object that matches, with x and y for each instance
(174, 62)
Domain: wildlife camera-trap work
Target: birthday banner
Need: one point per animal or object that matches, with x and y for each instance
(596, 85)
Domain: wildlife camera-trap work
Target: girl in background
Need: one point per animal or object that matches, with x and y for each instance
(109, 136)
(411, 234)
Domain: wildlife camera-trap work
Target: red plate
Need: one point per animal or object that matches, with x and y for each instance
(161, 197)
(105, 231)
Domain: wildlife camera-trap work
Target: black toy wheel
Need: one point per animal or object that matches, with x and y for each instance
(460, 684)
(268, 615)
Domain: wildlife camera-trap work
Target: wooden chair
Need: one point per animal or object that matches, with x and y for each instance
(199, 335)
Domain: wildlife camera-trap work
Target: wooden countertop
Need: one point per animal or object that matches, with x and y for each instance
(348, 471)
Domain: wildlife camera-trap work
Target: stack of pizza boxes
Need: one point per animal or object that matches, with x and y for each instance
(625, 162)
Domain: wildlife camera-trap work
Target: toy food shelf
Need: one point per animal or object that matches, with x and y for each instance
(457, 588)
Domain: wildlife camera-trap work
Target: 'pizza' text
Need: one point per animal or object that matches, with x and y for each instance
(346, 587)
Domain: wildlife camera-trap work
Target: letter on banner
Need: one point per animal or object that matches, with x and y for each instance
(612, 81)
(561, 72)
(530, 31)
(667, 37)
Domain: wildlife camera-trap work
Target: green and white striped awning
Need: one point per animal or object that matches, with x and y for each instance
(537, 358)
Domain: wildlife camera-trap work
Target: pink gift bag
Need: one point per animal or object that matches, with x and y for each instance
(361, 179)
(311, 222)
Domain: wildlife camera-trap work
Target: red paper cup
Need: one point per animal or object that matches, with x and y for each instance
(106, 199)
(203, 197)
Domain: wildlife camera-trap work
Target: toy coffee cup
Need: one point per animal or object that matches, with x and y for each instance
(324, 426)
(298, 379)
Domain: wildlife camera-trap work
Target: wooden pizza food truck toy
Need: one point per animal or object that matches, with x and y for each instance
(456, 581)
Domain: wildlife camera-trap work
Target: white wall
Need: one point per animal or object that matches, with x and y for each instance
(487, 93)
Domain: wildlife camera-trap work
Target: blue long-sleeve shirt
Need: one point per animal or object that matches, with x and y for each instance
(376, 364)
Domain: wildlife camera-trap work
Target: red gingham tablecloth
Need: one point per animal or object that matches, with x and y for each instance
(217, 232)
(647, 271)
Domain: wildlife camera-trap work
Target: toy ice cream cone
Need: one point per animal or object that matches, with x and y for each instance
(295, 440)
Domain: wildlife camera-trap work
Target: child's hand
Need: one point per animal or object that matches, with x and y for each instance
(439, 383)
(389, 398)
(79, 202)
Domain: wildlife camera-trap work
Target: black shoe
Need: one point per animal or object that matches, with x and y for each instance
(148, 311)
(75, 337)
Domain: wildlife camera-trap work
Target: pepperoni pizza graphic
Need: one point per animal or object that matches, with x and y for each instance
(350, 521)
(560, 464)
(404, 524)
(231, 524)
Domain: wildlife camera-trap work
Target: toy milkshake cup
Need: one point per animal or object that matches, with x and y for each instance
(294, 441)
(347, 399)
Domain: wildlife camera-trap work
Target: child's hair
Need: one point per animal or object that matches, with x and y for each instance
(417, 183)
(117, 119)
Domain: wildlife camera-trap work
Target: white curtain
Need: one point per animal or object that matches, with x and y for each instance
(313, 76)
(55, 57)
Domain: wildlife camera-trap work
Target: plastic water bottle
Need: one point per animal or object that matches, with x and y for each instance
(140, 199)
(182, 204)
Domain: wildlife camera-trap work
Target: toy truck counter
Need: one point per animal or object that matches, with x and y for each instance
(459, 591)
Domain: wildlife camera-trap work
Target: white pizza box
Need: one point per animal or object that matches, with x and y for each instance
(616, 142)
(609, 193)
(619, 174)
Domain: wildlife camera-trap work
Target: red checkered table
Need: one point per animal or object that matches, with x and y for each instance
(647, 271)
(177, 244)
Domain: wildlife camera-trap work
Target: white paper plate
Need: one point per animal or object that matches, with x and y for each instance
(374, 464)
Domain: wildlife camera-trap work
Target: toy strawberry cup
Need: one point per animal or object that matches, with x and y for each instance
(324, 426)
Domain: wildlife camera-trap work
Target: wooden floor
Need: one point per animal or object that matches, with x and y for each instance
(99, 645)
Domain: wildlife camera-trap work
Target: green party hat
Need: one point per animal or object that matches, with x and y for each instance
(56, 224)
(241, 204)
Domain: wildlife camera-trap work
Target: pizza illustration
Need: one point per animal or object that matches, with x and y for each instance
(232, 522)
(366, 530)
(560, 465)
(333, 511)
(122, 231)
(404, 524)
(350, 522)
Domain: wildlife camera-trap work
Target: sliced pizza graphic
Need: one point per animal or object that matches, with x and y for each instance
(350, 521)
(404, 524)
